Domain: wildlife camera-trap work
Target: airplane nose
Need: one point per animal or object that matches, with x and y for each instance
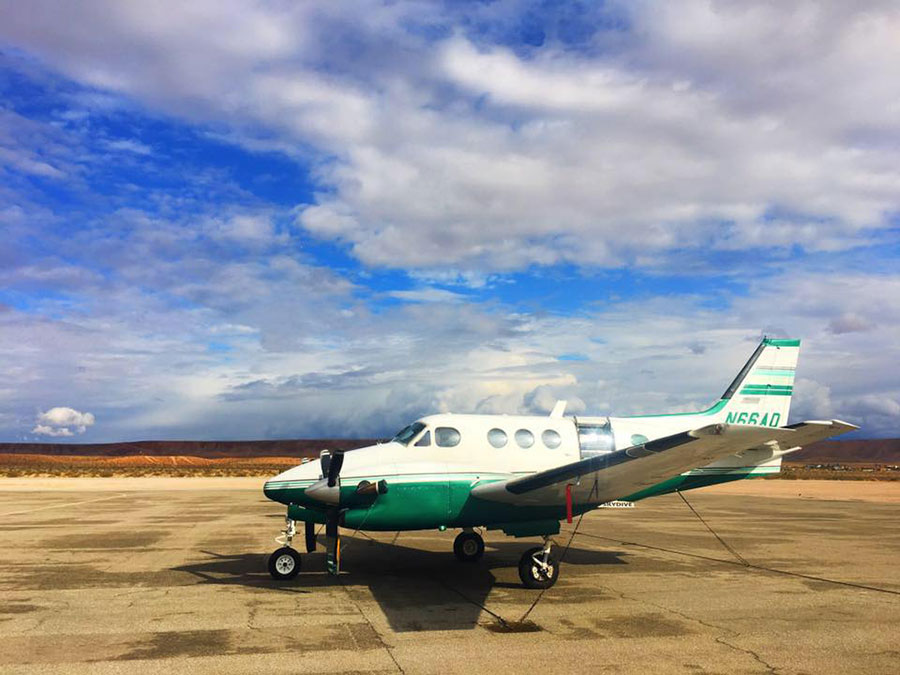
(269, 491)
(275, 489)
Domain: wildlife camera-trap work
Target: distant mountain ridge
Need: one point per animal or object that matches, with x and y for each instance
(875, 451)
(304, 447)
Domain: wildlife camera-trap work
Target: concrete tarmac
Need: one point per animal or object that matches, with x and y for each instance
(139, 577)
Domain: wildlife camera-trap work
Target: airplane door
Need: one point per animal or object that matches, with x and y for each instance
(595, 437)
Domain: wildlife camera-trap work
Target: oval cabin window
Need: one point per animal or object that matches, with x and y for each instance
(446, 437)
(497, 438)
(551, 439)
(524, 438)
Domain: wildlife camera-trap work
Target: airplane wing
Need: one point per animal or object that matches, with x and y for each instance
(618, 474)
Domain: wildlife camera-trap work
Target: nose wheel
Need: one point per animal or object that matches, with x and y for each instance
(284, 564)
(538, 568)
(468, 546)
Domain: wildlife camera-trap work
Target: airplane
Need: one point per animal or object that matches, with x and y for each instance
(524, 474)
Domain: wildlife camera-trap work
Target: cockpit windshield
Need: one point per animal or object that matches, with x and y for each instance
(406, 434)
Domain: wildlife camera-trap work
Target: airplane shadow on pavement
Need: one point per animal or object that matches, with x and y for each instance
(416, 589)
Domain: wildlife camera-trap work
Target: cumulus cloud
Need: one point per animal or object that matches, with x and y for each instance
(543, 398)
(849, 322)
(366, 374)
(428, 295)
(130, 145)
(485, 157)
(62, 421)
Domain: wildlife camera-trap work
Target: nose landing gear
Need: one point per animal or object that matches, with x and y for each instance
(537, 567)
(285, 562)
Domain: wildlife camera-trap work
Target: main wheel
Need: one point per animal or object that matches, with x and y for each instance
(284, 564)
(468, 546)
(535, 575)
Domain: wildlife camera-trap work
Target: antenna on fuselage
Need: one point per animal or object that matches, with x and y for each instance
(559, 409)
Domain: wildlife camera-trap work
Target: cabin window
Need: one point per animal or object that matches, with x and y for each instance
(424, 441)
(406, 434)
(497, 438)
(446, 437)
(551, 439)
(524, 438)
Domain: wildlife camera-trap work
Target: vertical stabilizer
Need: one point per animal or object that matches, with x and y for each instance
(761, 392)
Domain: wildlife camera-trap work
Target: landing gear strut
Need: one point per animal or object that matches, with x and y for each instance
(285, 562)
(537, 567)
(468, 546)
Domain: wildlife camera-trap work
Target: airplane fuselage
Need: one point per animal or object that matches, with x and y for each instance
(430, 476)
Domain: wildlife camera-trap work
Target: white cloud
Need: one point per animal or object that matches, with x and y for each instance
(62, 421)
(427, 295)
(848, 322)
(130, 145)
(298, 366)
(253, 229)
(684, 131)
(44, 430)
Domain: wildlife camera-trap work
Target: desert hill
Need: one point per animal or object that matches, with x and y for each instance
(873, 451)
(309, 447)
(876, 451)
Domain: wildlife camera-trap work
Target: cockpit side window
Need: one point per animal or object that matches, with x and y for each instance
(425, 440)
(406, 434)
(446, 437)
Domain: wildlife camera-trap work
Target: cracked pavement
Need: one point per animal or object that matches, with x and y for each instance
(157, 578)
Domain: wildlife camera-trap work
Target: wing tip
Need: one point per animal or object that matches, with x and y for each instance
(843, 426)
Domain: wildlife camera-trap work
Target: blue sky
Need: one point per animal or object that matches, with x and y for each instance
(258, 220)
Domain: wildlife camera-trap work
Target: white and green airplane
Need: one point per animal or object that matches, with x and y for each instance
(524, 474)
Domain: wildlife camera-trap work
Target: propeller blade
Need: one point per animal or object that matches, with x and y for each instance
(332, 541)
(310, 536)
(324, 462)
(334, 468)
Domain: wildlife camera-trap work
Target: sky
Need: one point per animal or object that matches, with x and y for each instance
(247, 220)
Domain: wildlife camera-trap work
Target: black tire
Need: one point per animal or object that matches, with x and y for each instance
(532, 574)
(284, 564)
(468, 547)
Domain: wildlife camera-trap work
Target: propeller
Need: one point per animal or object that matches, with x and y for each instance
(332, 462)
(328, 490)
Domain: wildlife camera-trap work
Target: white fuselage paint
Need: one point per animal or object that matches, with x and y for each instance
(475, 459)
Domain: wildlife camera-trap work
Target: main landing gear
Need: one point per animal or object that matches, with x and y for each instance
(537, 567)
(468, 546)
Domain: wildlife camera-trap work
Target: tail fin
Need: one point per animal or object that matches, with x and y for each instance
(761, 393)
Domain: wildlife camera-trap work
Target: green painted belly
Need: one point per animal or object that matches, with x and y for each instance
(429, 505)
